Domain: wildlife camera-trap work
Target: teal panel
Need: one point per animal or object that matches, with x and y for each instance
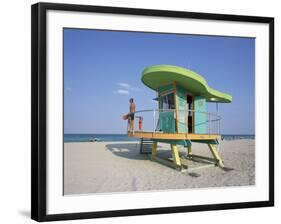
(167, 122)
(200, 124)
(182, 115)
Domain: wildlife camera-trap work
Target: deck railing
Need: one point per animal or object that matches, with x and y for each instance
(150, 121)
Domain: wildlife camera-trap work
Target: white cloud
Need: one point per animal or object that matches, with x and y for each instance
(121, 92)
(128, 87)
(125, 85)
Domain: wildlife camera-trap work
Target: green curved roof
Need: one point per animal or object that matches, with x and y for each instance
(158, 75)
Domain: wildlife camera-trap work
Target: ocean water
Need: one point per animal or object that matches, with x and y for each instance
(236, 137)
(97, 137)
(124, 137)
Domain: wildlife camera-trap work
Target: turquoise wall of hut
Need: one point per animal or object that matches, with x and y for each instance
(171, 97)
(200, 119)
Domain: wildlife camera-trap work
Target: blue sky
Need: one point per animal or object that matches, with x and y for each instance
(102, 70)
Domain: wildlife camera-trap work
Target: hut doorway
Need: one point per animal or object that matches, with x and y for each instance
(190, 112)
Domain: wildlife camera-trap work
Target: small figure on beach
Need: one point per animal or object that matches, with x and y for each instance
(140, 122)
(92, 139)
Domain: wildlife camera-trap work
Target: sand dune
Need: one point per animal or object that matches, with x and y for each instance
(100, 167)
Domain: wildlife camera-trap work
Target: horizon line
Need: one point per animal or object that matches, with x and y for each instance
(125, 134)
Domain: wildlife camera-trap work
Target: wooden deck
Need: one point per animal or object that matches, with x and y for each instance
(173, 136)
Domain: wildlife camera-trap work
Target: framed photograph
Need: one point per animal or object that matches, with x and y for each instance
(140, 111)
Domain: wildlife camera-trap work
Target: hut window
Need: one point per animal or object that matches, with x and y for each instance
(168, 101)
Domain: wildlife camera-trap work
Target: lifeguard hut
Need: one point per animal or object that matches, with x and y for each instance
(181, 117)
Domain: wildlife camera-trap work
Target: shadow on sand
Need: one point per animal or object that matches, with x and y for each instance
(129, 150)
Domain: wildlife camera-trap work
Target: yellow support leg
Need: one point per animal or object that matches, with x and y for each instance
(154, 149)
(175, 154)
(215, 154)
(189, 152)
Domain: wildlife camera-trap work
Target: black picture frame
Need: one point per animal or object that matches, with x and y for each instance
(38, 110)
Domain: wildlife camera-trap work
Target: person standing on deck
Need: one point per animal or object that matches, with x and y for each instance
(132, 114)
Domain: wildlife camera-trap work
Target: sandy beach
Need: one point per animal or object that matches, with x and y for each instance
(99, 167)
